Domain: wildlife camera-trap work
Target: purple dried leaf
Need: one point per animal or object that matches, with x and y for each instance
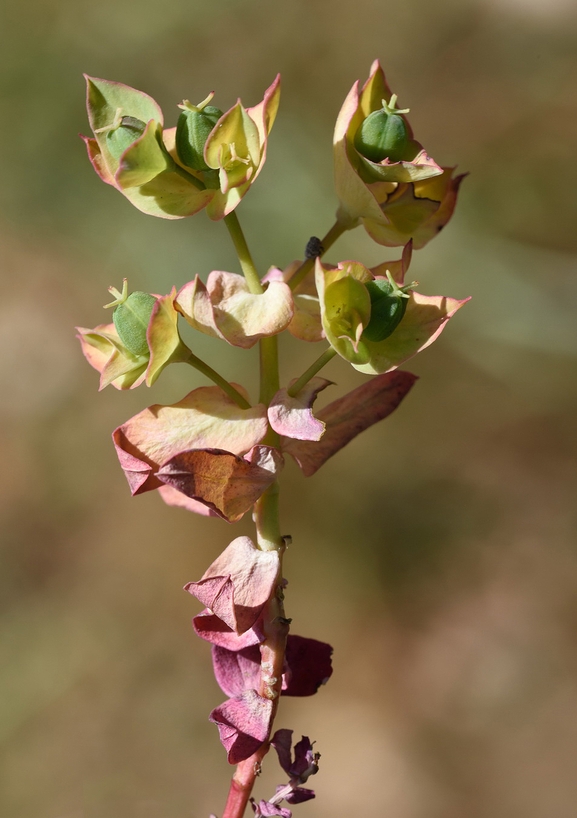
(308, 666)
(299, 795)
(266, 809)
(211, 628)
(243, 724)
(236, 671)
(282, 742)
(305, 761)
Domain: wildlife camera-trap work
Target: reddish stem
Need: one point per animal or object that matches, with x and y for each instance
(272, 652)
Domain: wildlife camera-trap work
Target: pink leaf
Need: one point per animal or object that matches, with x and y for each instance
(243, 724)
(205, 418)
(251, 575)
(173, 497)
(350, 415)
(211, 628)
(236, 671)
(293, 417)
(307, 667)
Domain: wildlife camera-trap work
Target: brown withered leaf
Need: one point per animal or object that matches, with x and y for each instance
(225, 482)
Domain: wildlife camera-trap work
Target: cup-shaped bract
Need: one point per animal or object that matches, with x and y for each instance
(415, 211)
(127, 366)
(396, 197)
(106, 353)
(127, 151)
(236, 150)
(225, 308)
(347, 304)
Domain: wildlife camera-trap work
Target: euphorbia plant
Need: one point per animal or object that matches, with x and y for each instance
(217, 451)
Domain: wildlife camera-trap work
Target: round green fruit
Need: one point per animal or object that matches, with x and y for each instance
(387, 309)
(131, 320)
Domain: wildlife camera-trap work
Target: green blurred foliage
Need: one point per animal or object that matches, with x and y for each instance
(437, 553)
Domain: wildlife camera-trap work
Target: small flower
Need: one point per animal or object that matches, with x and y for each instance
(235, 150)
(375, 322)
(374, 149)
(384, 178)
(141, 342)
(128, 152)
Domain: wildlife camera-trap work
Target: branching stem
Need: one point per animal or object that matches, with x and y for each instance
(315, 367)
(211, 373)
(243, 253)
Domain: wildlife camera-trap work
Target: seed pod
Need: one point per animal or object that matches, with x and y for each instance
(388, 305)
(120, 138)
(131, 319)
(192, 131)
(384, 135)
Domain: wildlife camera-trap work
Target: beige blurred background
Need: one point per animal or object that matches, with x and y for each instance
(437, 553)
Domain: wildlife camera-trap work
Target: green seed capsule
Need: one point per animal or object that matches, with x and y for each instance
(121, 138)
(388, 305)
(384, 135)
(192, 131)
(131, 319)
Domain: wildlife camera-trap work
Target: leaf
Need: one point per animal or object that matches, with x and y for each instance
(226, 483)
(238, 584)
(143, 160)
(163, 338)
(423, 321)
(293, 417)
(350, 415)
(205, 418)
(243, 724)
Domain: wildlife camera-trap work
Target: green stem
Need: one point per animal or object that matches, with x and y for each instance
(211, 373)
(323, 359)
(244, 256)
(269, 371)
(336, 230)
(266, 519)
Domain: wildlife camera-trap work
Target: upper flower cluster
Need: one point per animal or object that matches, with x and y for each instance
(174, 173)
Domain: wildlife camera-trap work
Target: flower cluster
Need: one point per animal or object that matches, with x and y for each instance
(217, 452)
(132, 151)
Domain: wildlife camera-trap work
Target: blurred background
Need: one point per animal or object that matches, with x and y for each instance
(437, 553)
